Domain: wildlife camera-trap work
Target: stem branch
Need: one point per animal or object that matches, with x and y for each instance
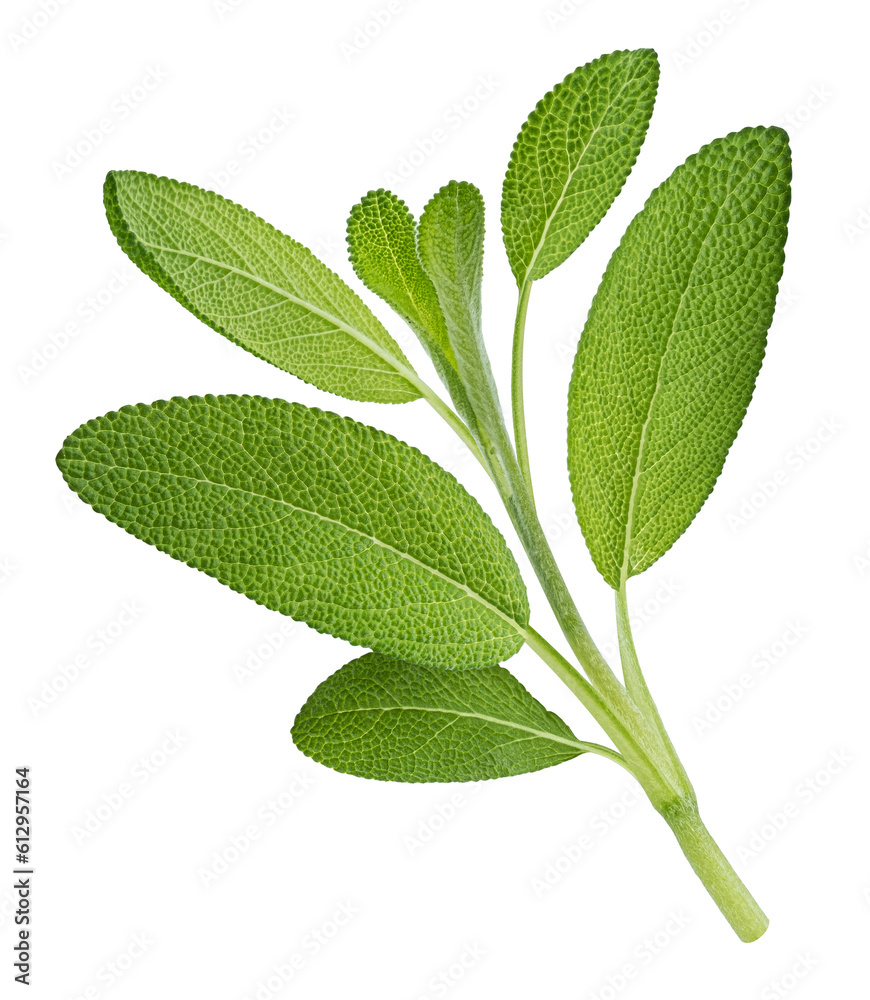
(626, 713)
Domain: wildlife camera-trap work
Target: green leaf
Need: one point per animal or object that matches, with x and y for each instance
(670, 352)
(451, 249)
(572, 157)
(256, 286)
(395, 721)
(382, 238)
(314, 515)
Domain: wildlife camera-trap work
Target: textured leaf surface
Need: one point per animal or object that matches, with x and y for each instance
(382, 718)
(669, 355)
(451, 249)
(382, 239)
(572, 157)
(256, 286)
(314, 515)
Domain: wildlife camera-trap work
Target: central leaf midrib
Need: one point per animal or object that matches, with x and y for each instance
(351, 331)
(377, 541)
(570, 178)
(623, 574)
(463, 715)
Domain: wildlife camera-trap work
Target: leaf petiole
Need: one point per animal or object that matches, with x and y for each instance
(637, 688)
(517, 403)
(453, 420)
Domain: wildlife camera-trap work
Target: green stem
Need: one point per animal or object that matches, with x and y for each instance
(714, 870)
(637, 759)
(678, 807)
(602, 751)
(627, 714)
(637, 688)
(638, 741)
(517, 404)
(453, 420)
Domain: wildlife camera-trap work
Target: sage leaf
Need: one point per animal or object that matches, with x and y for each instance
(314, 515)
(256, 286)
(572, 157)
(668, 358)
(450, 243)
(383, 718)
(382, 240)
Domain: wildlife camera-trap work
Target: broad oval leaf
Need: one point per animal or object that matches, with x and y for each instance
(572, 157)
(382, 718)
(382, 240)
(672, 347)
(256, 286)
(314, 515)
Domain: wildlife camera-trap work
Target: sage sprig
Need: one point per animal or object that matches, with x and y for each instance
(359, 535)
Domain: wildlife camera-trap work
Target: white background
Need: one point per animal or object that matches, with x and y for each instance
(781, 574)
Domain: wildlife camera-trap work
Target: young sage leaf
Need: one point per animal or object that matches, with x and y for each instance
(572, 157)
(256, 286)
(314, 515)
(382, 240)
(669, 355)
(382, 718)
(450, 243)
